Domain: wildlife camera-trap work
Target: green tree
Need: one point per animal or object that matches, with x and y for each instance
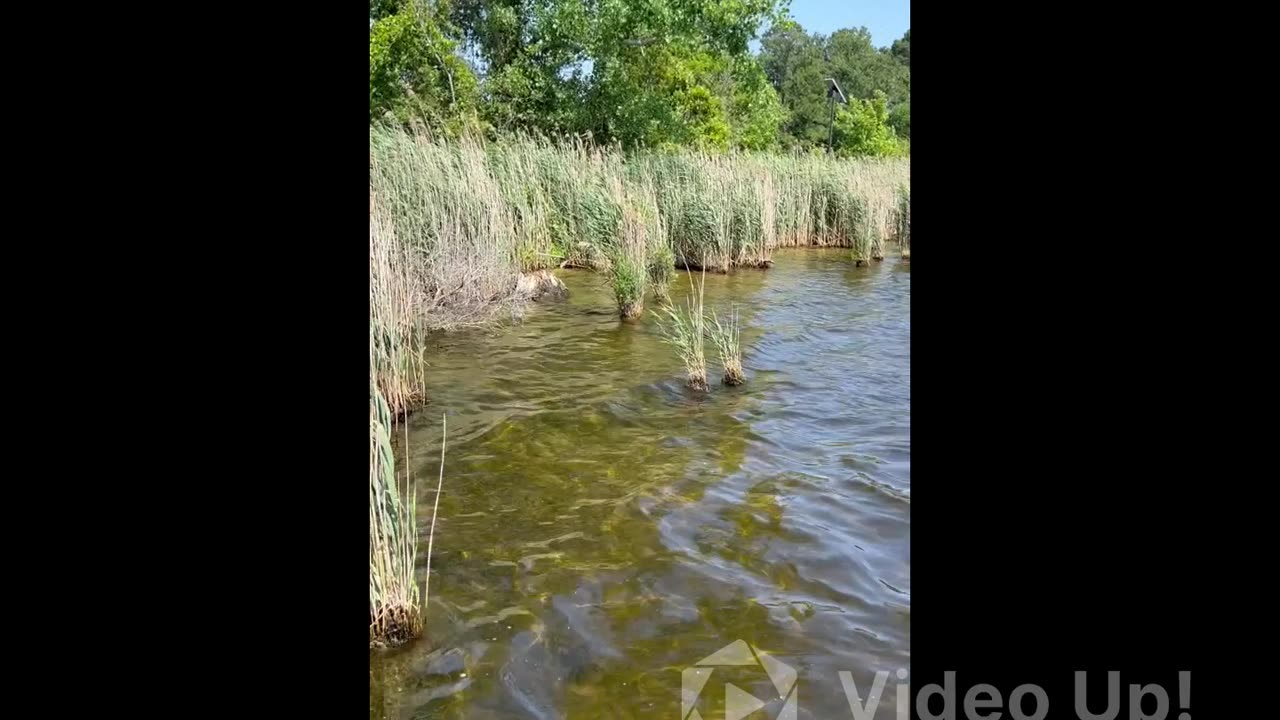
(862, 70)
(798, 64)
(900, 119)
(756, 114)
(794, 64)
(640, 71)
(901, 48)
(414, 74)
(863, 129)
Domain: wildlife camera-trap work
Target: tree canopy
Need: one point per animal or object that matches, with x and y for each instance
(642, 73)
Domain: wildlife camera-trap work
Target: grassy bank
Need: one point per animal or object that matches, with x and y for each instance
(472, 216)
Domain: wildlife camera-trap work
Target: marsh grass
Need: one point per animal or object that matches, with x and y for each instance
(394, 614)
(473, 215)
(445, 214)
(396, 303)
(902, 231)
(684, 329)
(662, 269)
(628, 253)
(726, 338)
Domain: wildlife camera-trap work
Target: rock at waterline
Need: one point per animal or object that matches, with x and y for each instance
(541, 285)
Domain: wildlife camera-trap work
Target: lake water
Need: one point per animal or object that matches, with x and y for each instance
(603, 528)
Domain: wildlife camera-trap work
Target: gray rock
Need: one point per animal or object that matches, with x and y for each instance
(541, 285)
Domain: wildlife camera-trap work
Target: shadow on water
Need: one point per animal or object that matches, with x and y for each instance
(602, 528)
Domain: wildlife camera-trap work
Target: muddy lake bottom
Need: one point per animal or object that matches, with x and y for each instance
(603, 528)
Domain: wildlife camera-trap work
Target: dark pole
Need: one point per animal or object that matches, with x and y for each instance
(831, 122)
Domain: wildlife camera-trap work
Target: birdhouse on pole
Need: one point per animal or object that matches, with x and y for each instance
(834, 92)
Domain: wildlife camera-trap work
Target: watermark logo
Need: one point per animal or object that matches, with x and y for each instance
(738, 703)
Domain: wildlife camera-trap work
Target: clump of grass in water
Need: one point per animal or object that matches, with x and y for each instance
(684, 330)
(394, 615)
(629, 280)
(725, 336)
(628, 256)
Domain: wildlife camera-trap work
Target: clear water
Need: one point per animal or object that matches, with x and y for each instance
(602, 527)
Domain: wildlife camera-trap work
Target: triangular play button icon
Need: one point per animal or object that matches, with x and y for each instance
(738, 703)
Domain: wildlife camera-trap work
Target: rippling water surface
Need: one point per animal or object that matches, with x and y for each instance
(602, 528)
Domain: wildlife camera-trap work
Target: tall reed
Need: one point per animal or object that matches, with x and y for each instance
(394, 615)
(397, 302)
(903, 230)
(727, 340)
(662, 266)
(628, 251)
(446, 207)
(472, 215)
(684, 329)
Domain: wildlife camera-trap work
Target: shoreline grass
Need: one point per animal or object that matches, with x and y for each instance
(902, 231)
(472, 215)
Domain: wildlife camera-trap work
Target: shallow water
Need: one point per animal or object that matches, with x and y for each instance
(602, 528)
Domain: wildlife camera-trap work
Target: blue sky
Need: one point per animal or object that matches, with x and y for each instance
(886, 19)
